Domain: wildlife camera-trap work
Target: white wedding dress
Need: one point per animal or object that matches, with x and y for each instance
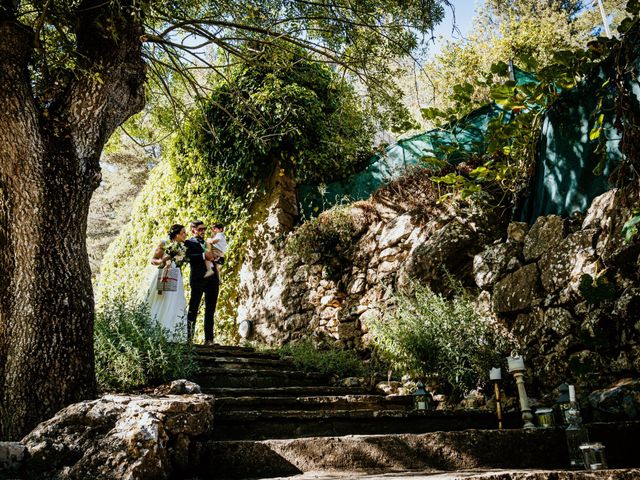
(169, 309)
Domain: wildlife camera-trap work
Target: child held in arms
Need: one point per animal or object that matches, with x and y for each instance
(218, 246)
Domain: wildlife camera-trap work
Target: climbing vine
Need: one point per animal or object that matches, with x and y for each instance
(282, 112)
(508, 155)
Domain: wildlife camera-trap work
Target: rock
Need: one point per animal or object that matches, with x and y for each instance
(517, 291)
(442, 251)
(399, 228)
(599, 213)
(357, 285)
(491, 264)
(559, 320)
(347, 330)
(545, 234)
(386, 267)
(628, 304)
(12, 456)
(388, 388)
(118, 437)
(473, 400)
(517, 231)
(389, 252)
(178, 387)
(620, 401)
(563, 266)
(352, 382)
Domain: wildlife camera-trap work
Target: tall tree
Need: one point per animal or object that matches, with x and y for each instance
(71, 71)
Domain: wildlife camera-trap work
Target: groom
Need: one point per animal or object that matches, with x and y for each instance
(201, 285)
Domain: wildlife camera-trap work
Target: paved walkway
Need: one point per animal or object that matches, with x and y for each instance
(473, 474)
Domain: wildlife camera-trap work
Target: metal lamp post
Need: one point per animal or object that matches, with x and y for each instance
(516, 367)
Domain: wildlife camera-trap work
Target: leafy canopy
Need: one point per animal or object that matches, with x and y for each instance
(282, 110)
(183, 38)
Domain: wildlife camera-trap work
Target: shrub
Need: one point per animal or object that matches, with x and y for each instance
(331, 361)
(445, 341)
(330, 235)
(132, 350)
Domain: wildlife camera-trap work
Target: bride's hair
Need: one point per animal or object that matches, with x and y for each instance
(175, 230)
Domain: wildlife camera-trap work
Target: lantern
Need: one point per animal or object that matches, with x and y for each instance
(422, 400)
(563, 404)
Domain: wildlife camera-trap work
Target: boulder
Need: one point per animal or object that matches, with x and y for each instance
(620, 401)
(447, 249)
(545, 234)
(178, 387)
(563, 266)
(517, 231)
(491, 264)
(119, 437)
(396, 230)
(517, 291)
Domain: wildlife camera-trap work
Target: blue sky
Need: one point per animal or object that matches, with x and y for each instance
(464, 11)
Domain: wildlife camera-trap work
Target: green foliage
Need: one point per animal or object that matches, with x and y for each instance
(132, 350)
(329, 236)
(440, 340)
(511, 138)
(281, 110)
(168, 198)
(330, 361)
(596, 289)
(630, 227)
(359, 38)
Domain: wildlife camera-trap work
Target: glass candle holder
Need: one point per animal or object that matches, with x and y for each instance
(594, 456)
(545, 417)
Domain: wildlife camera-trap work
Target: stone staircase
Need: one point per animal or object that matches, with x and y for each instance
(272, 420)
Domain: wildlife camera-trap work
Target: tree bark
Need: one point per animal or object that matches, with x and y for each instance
(49, 167)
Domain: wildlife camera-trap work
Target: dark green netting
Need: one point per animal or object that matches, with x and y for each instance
(564, 180)
(451, 142)
(467, 136)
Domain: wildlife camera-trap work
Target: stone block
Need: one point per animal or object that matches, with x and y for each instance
(545, 234)
(517, 291)
(564, 265)
(620, 401)
(396, 230)
(517, 231)
(357, 285)
(491, 264)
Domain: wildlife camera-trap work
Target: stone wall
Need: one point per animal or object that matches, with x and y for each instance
(534, 281)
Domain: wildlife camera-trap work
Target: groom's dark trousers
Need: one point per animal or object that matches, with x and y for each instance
(201, 286)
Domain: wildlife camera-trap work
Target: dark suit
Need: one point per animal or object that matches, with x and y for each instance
(200, 286)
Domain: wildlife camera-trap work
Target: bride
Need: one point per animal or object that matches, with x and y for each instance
(168, 308)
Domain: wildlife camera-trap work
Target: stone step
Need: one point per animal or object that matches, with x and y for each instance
(208, 376)
(424, 452)
(244, 363)
(436, 451)
(313, 403)
(269, 424)
(233, 351)
(297, 391)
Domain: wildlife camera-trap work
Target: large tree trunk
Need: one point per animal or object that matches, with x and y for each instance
(49, 167)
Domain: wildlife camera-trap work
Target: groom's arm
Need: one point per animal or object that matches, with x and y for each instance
(195, 252)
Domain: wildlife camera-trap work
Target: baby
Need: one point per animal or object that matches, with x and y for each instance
(218, 246)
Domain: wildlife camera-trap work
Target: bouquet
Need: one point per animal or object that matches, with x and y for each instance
(177, 251)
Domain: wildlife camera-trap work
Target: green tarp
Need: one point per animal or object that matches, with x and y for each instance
(563, 183)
